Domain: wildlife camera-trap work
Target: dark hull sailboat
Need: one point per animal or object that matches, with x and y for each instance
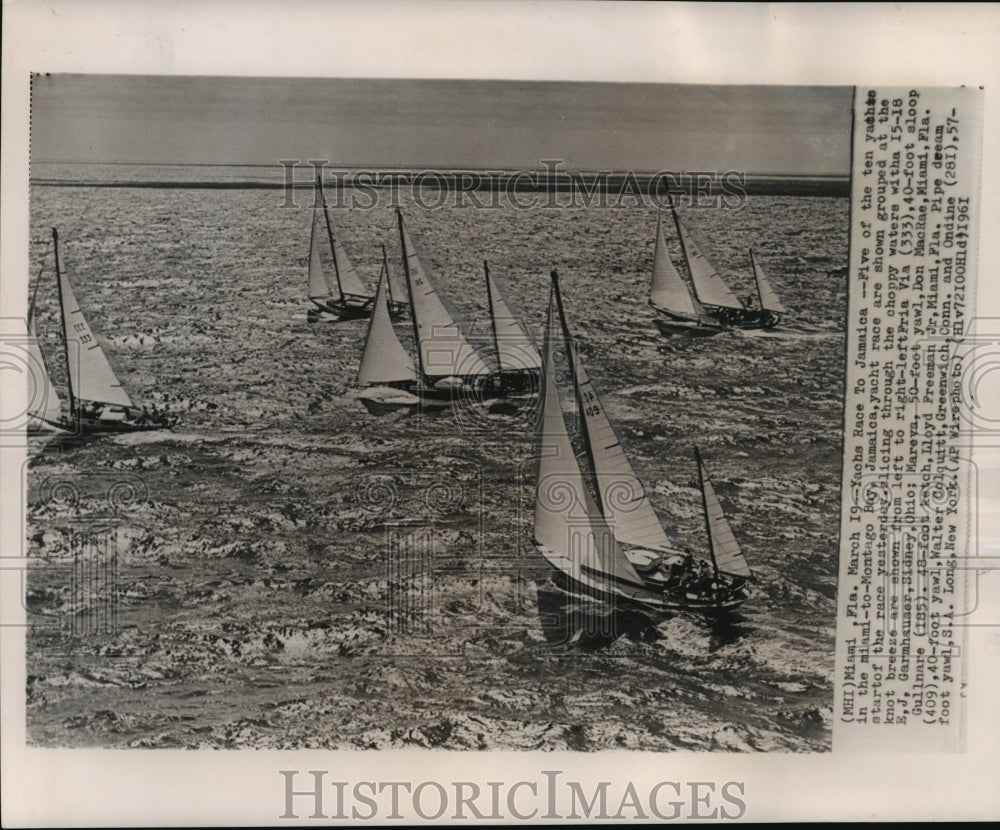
(346, 297)
(447, 366)
(707, 305)
(594, 521)
(97, 400)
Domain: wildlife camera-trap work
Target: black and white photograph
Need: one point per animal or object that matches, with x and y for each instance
(461, 415)
(355, 445)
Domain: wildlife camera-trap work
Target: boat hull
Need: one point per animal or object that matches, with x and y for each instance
(669, 327)
(355, 307)
(747, 318)
(654, 599)
(115, 419)
(722, 319)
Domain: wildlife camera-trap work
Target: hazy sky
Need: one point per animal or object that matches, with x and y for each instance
(410, 123)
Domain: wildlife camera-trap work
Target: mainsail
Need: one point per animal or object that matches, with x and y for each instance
(91, 377)
(319, 288)
(768, 299)
(515, 351)
(726, 553)
(623, 499)
(348, 282)
(567, 519)
(708, 285)
(396, 292)
(48, 407)
(442, 348)
(347, 276)
(668, 290)
(384, 359)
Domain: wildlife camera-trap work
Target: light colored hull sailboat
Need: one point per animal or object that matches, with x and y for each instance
(346, 296)
(97, 400)
(714, 298)
(594, 521)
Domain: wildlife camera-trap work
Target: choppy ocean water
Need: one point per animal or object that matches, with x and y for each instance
(292, 571)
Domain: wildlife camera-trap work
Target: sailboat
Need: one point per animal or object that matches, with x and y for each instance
(447, 361)
(519, 361)
(714, 300)
(387, 371)
(346, 297)
(594, 521)
(97, 400)
(673, 297)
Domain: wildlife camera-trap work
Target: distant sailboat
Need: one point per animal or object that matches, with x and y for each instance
(447, 360)
(386, 370)
(97, 400)
(594, 521)
(346, 296)
(672, 296)
(518, 359)
(714, 301)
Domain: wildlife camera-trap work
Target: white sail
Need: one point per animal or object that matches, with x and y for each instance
(347, 276)
(567, 520)
(45, 402)
(725, 549)
(768, 299)
(515, 351)
(708, 285)
(397, 292)
(624, 502)
(444, 349)
(668, 290)
(319, 288)
(91, 377)
(384, 359)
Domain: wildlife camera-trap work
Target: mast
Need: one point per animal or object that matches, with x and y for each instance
(567, 517)
(709, 286)
(385, 266)
(493, 319)
(756, 279)
(704, 507)
(409, 291)
(62, 315)
(329, 233)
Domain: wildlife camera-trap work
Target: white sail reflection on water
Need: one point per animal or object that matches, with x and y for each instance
(91, 377)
